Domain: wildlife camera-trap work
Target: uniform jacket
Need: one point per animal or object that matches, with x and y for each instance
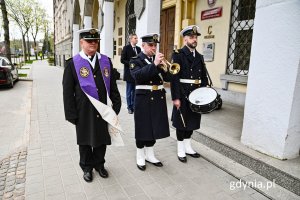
(127, 54)
(190, 68)
(91, 129)
(150, 111)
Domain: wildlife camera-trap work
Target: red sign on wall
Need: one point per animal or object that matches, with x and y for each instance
(211, 13)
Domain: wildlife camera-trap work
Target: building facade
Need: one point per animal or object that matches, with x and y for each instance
(245, 59)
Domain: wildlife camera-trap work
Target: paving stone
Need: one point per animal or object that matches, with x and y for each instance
(11, 170)
(19, 198)
(11, 173)
(10, 178)
(19, 192)
(21, 172)
(21, 168)
(20, 180)
(8, 195)
(9, 188)
(2, 183)
(19, 176)
(2, 188)
(21, 185)
(10, 183)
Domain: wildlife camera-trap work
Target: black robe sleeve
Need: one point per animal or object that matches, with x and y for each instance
(114, 92)
(68, 83)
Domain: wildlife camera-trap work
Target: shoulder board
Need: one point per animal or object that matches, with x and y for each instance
(68, 59)
(177, 51)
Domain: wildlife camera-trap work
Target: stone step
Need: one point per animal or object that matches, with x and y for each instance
(259, 167)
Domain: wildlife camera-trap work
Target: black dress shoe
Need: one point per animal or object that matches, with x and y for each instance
(158, 164)
(141, 167)
(130, 111)
(194, 155)
(182, 159)
(102, 172)
(88, 176)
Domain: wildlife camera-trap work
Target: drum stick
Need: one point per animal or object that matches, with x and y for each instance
(181, 117)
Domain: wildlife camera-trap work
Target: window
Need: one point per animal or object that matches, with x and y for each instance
(240, 36)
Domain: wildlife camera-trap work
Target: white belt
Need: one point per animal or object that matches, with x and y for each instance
(149, 87)
(192, 81)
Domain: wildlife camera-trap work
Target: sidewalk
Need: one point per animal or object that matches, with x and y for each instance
(52, 170)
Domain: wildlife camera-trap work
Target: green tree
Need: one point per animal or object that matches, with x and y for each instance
(22, 13)
(39, 22)
(6, 29)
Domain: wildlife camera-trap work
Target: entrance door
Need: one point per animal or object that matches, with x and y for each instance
(167, 27)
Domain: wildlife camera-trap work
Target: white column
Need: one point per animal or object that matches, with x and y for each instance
(87, 22)
(75, 42)
(150, 19)
(272, 107)
(106, 42)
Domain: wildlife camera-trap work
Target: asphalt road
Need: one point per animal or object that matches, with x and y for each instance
(14, 117)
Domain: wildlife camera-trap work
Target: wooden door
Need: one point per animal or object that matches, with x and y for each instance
(167, 27)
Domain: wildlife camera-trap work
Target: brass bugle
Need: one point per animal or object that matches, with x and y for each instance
(173, 68)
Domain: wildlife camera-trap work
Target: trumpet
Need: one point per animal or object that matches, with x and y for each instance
(173, 68)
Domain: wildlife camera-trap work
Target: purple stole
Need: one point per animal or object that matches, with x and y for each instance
(85, 74)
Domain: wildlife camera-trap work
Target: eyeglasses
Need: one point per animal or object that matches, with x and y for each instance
(91, 41)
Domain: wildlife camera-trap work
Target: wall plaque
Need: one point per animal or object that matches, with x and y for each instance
(208, 51)
(211, 13)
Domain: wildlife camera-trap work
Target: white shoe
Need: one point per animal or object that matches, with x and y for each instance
(150, 157)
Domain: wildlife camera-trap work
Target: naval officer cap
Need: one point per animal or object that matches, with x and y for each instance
(190, 30)
(150, 38)
(89, 34)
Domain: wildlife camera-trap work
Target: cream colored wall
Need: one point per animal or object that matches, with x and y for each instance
(220, 30)
(120, 9)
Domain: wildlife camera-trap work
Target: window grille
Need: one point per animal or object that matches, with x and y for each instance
(130, 20)
(240, 36)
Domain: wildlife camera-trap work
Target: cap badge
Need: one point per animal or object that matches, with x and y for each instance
(194, 29)
(93, 31)
(155, 37)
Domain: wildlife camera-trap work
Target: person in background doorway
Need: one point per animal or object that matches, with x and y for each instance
(128, 52)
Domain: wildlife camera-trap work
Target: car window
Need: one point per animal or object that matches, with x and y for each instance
(4, 63)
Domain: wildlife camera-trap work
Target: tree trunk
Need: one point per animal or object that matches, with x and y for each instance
(6, 29)
(24, 47)
(35, 48)
(28, 47)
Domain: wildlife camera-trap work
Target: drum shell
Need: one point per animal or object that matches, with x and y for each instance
(207, 108)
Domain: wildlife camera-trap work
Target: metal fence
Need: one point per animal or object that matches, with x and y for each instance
(240, 36)
(15, 58)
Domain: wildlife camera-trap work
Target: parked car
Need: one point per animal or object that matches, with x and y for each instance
(8, 72)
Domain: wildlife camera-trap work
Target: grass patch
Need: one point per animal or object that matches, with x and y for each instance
(29, 61)
(22, 75)
(51, 60)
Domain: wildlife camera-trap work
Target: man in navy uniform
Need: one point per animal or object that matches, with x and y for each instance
(150, 113)
(192, 75)
(128, 52)
(90, 72)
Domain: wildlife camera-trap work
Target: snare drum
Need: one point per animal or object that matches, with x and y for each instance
(204, 100)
